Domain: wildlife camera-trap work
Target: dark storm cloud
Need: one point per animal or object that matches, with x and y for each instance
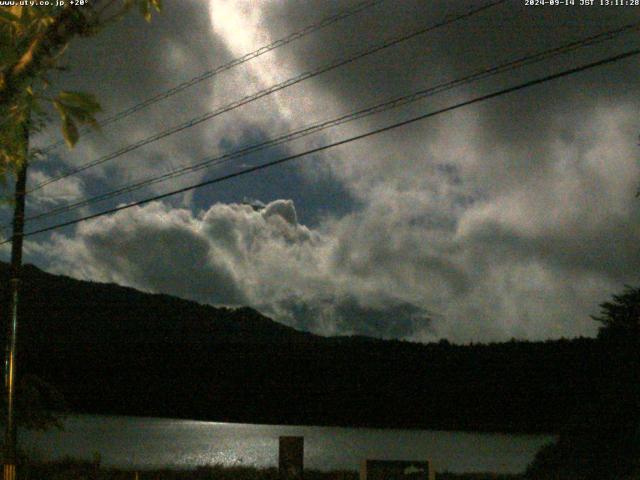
(607, 252)
(347, 316)
(393, 321)
(521, 124)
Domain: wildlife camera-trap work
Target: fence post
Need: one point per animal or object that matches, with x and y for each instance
(291, 458)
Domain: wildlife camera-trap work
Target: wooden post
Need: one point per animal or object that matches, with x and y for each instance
(10, 433)
(291, 458)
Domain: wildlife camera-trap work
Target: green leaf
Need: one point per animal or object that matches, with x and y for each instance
(19, 11)
(8, 17)
(62, 110)
(157, 4)
(144, 10)
(69, 131)
(8, 54)
(75, 107)
(79, 100)
(78, 105)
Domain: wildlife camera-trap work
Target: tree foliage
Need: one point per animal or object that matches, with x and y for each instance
(33, 40)
(620, 317)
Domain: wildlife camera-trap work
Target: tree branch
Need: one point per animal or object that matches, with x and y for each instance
(43, 47)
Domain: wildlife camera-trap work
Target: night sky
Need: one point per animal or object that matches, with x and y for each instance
(513, 217)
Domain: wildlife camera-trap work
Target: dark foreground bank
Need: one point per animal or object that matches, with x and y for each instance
(78, 470)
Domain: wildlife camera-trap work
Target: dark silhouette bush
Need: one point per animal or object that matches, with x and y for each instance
(602, 441)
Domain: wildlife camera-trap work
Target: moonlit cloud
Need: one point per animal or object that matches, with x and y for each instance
(67, 190)
(232, 255)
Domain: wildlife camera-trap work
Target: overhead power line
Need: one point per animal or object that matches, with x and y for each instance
(309, 29)
(528, 59)
(377, 131)
(268, 91)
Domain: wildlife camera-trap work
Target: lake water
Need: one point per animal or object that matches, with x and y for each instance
(154, 442)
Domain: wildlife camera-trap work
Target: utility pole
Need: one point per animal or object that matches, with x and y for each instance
(11, 434)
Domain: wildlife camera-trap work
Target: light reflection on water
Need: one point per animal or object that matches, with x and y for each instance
(154, 442)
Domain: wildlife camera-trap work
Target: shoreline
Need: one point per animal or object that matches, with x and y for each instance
(73, 469)
(479, 431)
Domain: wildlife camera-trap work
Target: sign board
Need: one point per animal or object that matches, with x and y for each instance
(396, 470)
(291, 458)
